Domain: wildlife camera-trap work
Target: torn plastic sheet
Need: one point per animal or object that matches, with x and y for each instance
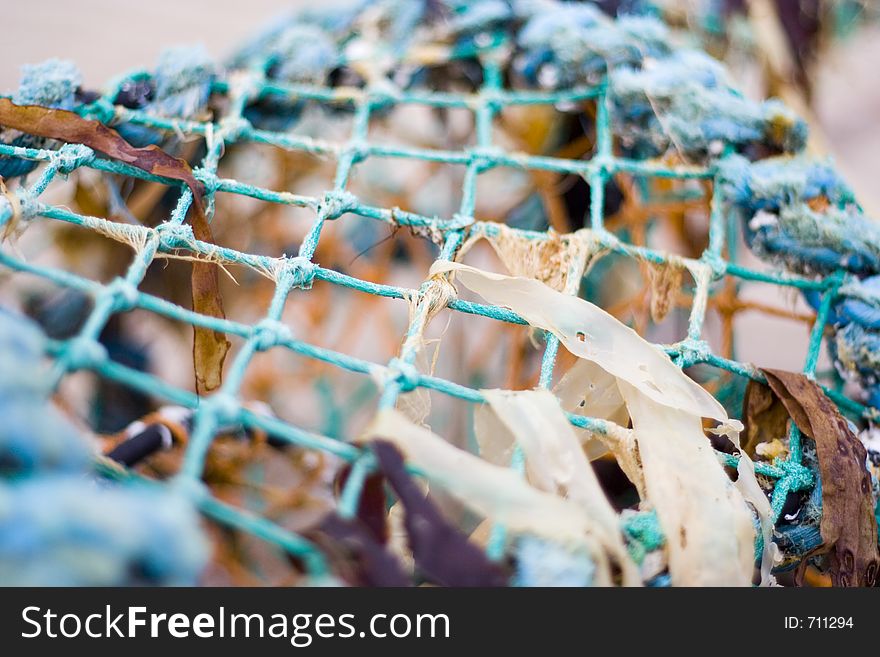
(495, 442)
(710, 535)
(555, 461)
(494, 492)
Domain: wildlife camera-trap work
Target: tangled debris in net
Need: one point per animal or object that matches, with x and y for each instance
(517, 507)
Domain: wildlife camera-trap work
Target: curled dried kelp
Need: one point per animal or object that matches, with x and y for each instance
(557, 464)
(357, 555)
(441, 552)
(748, 486)
(665, 283)
(491, 491)
(764, 418)
(371, 510)
(709, 530)
(848, 526)
(209, 346)
(589, 332)
(69, 127)
(588, 390)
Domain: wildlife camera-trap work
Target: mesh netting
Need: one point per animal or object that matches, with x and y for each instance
(253, 85)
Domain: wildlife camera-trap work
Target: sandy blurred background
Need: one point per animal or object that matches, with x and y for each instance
(107, 37)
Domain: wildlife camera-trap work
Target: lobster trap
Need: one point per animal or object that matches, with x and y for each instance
(386, 213)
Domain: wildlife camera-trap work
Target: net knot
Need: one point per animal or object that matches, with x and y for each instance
(270, 333)
(800, 477)
(233, 126)
(602, 165)
(691, 352)
(485, 158)
(383, 95)
(124, 294)
(643, 530)
(175, 236)
(336, 203)
(493, 98)
(405, 374)
(716, 264)
(84, 353)
(357, 150)
(222, 406)
(460, 221)
(72, 156)
(209, 179)
(295, 272)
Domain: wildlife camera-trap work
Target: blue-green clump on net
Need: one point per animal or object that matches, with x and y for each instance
(54, 83)
(470, 19)
(643, 533)
(577, 44)
(178, 88)
(59, 524)
(684, 103)
(663, 98)
(303, 53)
(855, 346)
(799, 533)
(799, 214)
